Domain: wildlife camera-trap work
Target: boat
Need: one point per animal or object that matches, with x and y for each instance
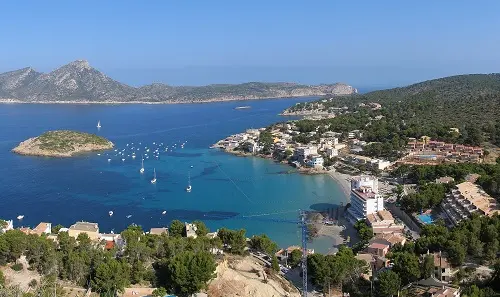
(243, 107)
(20, 217)
(98, 154)
(142, 165)
(123, 159)
(153, 181)
(98, 124)
(109, 160)
(133, 156)
(110, 213)
(188, 189)
(164, 212)
(129, 216)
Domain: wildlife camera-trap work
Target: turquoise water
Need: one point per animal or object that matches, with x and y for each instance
(426, 219)
(63, 191)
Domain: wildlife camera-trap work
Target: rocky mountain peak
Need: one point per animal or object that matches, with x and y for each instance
(79, 64)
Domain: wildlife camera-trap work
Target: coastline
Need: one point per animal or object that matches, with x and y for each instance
(88, 102)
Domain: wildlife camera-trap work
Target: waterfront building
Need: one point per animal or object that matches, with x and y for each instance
(365, 199)
(316, 161)
(91, 229)
(332, 152)
(42, 228)
(303, 152)
(160, 231)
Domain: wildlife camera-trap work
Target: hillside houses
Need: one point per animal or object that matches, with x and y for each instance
(426, 149)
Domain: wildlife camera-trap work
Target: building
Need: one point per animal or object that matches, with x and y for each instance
(390, 238)
(160, 231)
(316, 161)
(442, 268)
(332, 152)
(91, 229)
(445, 180)
(365, 199)
(431, 287)
(383, 222)
(112, 240)
(284, 254)
(42, 228)
(8, 225)
(380, 164)
(191, 230)
(378, 249)
(303, 152)
(468, 198)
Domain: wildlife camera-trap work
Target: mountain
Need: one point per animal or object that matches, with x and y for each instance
(79, 82)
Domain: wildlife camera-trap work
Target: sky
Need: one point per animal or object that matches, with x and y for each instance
(362, 43)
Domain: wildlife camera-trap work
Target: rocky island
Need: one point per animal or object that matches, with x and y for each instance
(62, 143)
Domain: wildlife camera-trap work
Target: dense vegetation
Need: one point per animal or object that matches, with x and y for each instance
(468, 102)
(64, 140)
(178, 264)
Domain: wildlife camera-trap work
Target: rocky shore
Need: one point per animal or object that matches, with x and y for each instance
(62, 144)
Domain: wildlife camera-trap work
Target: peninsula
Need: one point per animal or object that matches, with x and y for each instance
(62, 143)
(78, 82)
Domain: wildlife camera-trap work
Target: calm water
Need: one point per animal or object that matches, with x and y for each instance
(63, 191)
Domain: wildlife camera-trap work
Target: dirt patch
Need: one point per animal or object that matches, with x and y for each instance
(21, 278)
(244, 276)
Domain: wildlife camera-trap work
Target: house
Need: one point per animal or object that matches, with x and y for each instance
(380, 164)
(42, 228)
(390, 238)
(158, 231)
(332, 152)
(442, 268)
(303, 152)
(191, 230)
(26, 230)
(382, 222)
(116, 239)
(283, 254)
(378, 249)
(431, 287)
(91, 229)
(8, 225)
(365, 199)
(316, 161)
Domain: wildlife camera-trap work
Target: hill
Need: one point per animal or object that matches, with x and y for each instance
(62, 143)
(79, 82)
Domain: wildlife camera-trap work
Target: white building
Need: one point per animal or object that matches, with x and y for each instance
(332, 152)
(380, 164)
(302, 152)
(191, 230)
(365, 199)
(316, 161)
(8, 226)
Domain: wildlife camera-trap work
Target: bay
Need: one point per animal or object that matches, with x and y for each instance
(226, 188)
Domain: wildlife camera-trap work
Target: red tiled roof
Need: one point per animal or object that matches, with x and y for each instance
(109, 245)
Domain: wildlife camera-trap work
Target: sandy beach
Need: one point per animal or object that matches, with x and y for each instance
(344, 180)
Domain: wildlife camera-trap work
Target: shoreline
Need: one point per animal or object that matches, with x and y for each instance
(204, 101)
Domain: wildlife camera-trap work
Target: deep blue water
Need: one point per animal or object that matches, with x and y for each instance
(86, 187)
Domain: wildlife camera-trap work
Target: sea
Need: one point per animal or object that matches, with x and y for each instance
(255, 194)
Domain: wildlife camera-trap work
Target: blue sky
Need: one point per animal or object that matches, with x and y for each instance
(363, 43)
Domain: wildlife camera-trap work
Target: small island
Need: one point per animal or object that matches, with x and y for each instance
(62, 143)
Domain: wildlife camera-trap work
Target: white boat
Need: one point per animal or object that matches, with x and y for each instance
(110, 213)
(153, 181)
(188, 189)
(109, 160)
(98, 154)
(129, 216)
(98, 124)
(133, 156)
(20, 217)
(123, 160)
(164, 212)
(142, 165)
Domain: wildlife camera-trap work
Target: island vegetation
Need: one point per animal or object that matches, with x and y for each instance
(62, 143)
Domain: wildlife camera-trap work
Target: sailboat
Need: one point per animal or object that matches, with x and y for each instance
(142, 165)
(153, 181)
(188, 189)
(98, 124)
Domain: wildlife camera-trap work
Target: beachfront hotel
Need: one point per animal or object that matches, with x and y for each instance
(365, 199)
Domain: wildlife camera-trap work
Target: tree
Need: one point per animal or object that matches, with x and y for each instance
(111, 277)
(176, 228)
(264, 244)
(56, 228)
(2, 279)
(295, 258)
(407, 266)
(428, 266)
(274, 264)
(389, 284)
(365, 232)
(159, 292)
(189, 272)
(201, 228)
(234, 240)
(16, 241)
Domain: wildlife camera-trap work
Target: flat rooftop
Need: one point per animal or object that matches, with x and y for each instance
(85, 226)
